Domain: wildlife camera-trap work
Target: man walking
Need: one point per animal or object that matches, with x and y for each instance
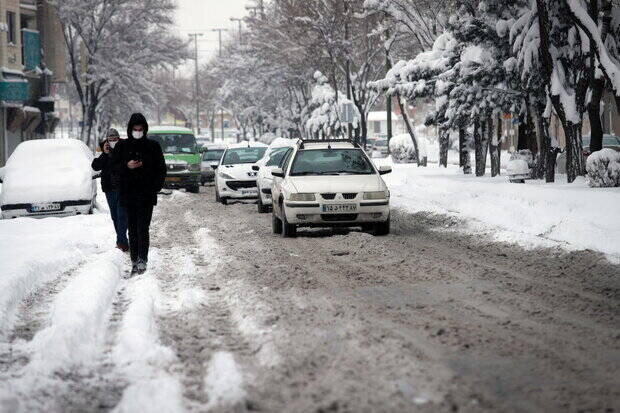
(110, 184)
(140, 164)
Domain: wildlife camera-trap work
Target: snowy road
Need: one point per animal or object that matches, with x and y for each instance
(232, 318)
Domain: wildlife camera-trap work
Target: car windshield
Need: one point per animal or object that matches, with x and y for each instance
(243, 155)
(380, 143)
(213, 155)
(331, 162)
(276, 156)
(175, 143)
(610, 140)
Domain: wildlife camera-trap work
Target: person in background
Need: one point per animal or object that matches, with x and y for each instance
(110, 184)
(140, 164)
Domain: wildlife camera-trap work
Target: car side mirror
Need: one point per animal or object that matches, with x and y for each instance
(255, 168)
(215, 165)
(278, 172)
(385, 169)
(1, 175)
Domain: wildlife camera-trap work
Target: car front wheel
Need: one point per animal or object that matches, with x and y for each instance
(276, 224)
(288, 230)
(382, 228)
(262, 208)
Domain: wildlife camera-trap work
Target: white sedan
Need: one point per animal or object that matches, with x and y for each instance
(234, 176)
(330, 183)
(276, 153)
(48, 177)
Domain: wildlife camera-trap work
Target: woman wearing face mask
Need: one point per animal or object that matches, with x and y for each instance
(110, 184)
(139, 162)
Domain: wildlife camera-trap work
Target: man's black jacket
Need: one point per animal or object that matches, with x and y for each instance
(142, 184)
(109, 182)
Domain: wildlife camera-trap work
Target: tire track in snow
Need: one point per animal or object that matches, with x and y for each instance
(64, 370)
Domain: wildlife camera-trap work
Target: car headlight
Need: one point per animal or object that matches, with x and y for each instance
(377, 195)
(195, 167)
(225, 176)
(302, 197)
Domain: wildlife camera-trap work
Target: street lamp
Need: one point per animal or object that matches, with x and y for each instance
(195, 36)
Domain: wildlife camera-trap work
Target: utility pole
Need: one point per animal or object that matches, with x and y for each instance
(234, 19)
(220, 38)
(197, 96)
(348, 64)
(260, 6)
(388, 66)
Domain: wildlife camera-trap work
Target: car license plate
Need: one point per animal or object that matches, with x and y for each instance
(249, 192)
(340, 208)
(52, 206)
(173, 179)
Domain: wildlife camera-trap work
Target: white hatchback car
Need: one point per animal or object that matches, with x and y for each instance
(234, 176)
(330, 183)
(48, 177)
(274, 156)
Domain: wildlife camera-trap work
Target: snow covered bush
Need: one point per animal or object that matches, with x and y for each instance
(402, 150)
(267, 138)
(603, 168)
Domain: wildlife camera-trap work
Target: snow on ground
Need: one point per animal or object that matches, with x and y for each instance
(138, 353)
(533, 214)
(36, 251)
(224, 381)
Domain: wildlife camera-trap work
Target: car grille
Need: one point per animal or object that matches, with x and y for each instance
(351, 195)
(176, 168)
(338, 217)
(235, 185)
(328, 196)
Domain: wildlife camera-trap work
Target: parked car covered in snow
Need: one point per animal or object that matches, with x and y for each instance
(273, 158)
(48, 177)
(330, 183)
(519, 167)
(234, 176)
(609, 142)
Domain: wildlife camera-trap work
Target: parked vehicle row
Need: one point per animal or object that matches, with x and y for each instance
(325, 183)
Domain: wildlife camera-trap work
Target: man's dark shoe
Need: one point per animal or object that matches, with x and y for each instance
(122, 247)
(134, 268)
(141, 266)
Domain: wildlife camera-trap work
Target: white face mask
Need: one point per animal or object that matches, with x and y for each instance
(113, 144)
(137, 135)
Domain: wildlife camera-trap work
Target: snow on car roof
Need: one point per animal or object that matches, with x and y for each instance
(283, 143)
(246, 144)
(170, 129)
(41, 151)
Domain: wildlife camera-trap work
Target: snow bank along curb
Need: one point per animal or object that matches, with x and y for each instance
(34, 252)
(79, 316)
(532, 214)
(139, 355)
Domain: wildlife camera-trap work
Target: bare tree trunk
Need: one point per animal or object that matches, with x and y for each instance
(409, 128)
(444, 144)
(464, 159)
(495, 145)
(481, 146)
(574, 151)
(542, 140)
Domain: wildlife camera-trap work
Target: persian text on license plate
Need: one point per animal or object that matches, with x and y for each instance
(249, 192)
(52, 206)
(173, 179)
(340, 208)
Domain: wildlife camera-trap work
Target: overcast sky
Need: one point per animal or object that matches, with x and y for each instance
(204, 15)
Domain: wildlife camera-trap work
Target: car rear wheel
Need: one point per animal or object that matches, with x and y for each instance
(224, 201)
(382, 228)
(194, 189)
(217, 196)
(262, 208)
(276, 224)
(367, 227)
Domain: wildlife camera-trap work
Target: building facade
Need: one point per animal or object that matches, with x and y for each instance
(32, 62)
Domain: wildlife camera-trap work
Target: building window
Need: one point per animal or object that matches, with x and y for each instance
(10, 21)
(377, 127)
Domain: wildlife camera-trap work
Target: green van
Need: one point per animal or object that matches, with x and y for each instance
(181, 154)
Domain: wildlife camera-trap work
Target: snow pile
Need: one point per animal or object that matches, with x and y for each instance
(533, 214)
(267, 138)
(224, 381)
(48, 170)
(79, 317)
(603, 168)
(33, 252)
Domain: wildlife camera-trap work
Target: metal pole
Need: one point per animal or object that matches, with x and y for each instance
(388, 66)
(348, 64)
(197, 92)
(222, 123)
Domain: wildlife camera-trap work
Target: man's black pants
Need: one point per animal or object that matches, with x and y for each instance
(138, 222)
